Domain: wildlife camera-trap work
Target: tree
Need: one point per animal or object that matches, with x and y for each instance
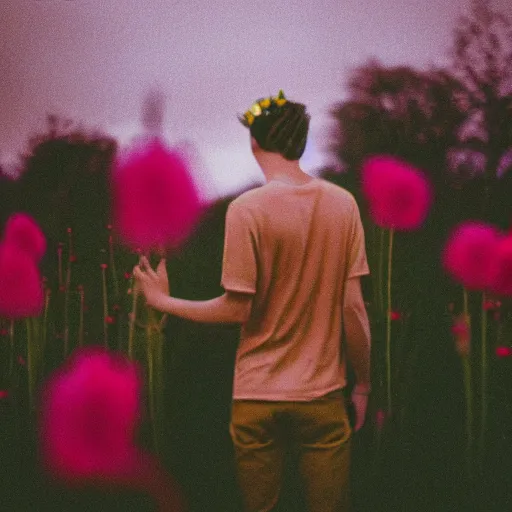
(64, 183)
(482, 65)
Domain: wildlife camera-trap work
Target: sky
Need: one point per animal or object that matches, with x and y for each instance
(94, 61)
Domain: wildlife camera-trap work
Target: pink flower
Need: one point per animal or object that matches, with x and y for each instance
(462, 333)
(155, 201)
(502, 267)
(21, 286)
(4, 394)
(399, 195)
(395, 315)
(380, 419)
(89, 416)
(504, 351)
(23, 232)
(490, 305)
(469, 252)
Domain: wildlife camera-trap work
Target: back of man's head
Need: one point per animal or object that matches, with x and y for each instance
(279, 127)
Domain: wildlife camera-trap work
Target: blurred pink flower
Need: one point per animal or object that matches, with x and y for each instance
(462, 333)
(156, 204)
(395, 315)
(380, 419)
(504, 351)
(4, 394)
(21, 286)
(398, 194)
(89, 414)
(469, 252)
(501, 273)
(490, 305)
(23, 232)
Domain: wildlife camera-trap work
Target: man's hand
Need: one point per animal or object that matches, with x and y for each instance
(360, 403)
(154, 285)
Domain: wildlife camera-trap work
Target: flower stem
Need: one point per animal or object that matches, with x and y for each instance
(113, 266)
(81, 321)
(59, 255)
(380, 270)
(11, 338)
(154, 361)
(66, 306)
(388, 324)
(30, 363)
(152, 334)
(132, 317)
(466, 363)
(45, 322)
(105, 306)
(469, 413)
(483, 424)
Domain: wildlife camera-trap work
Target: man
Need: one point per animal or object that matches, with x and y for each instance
(293, 255)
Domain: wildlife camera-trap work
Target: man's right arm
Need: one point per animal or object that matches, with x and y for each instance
(357, 340)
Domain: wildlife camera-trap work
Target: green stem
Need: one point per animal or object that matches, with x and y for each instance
(380, 271)
(11, 338)
(152, 343)
(483, 425)
(105, 306)
(66, 309)
(388, 324)
(466, 302)
(30, 363)
(113, 267)
(81, 321)
(466, 362)
(45, 316)
(44, 328)
(469, 413)
(59, 254)
(132, 318)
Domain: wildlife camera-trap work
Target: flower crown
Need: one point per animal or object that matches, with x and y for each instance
(263, 107)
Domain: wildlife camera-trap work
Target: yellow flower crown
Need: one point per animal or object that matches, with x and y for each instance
(262, 107)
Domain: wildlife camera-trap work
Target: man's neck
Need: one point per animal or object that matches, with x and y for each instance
(286, 171)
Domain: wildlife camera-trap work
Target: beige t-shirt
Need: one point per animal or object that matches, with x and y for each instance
(293, 247)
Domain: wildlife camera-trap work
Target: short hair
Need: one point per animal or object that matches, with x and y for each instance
(283, 130)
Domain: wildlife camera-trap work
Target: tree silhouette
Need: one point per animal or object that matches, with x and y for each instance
(64, 183)
(482, 65)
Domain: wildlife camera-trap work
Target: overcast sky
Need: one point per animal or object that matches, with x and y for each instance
(93, 60)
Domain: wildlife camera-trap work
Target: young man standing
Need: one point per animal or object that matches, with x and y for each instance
(293, 255)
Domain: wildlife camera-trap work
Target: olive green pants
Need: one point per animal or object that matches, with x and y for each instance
(320, 434)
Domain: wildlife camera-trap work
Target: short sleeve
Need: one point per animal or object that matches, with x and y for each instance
(239, 263)
(357, 261)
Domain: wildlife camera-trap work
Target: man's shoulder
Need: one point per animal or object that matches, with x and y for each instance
(250, 198)
(338, 192)
(257, 196)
